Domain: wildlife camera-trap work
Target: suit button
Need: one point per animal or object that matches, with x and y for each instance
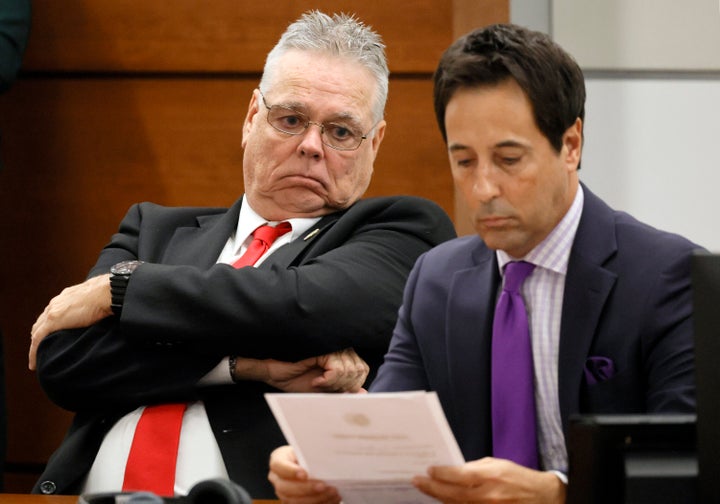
(48, 487)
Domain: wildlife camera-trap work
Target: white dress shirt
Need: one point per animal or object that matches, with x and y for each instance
(199, 456)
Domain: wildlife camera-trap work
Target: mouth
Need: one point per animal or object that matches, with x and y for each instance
(303, 181)
(494, 221)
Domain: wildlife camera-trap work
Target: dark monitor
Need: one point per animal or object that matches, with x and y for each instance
(706, 317)
(632, 459)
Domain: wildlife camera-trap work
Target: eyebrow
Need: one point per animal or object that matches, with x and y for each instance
(511, 143)
(505, 143)
(296, 106)
(346, 117)
(457, 147)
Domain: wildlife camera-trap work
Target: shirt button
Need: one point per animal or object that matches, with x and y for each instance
(48, 487)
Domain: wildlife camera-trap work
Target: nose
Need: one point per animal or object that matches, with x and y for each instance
(311, 141)
(485, 187)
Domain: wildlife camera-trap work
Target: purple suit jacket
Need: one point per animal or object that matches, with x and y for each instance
(627, 299)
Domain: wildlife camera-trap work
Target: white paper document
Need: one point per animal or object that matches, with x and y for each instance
(369, 446)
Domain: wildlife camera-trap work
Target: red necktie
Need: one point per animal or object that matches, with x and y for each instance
(263, 238)
(153, 453)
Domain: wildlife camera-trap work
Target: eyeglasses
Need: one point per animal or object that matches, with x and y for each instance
(336, 135)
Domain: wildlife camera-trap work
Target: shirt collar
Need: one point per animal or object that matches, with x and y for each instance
(553, 253)
(249, 220)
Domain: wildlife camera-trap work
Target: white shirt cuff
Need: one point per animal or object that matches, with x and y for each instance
(219, 375)
(561, 476)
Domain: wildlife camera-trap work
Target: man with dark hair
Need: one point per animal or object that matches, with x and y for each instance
(176, 331)
(600, 303)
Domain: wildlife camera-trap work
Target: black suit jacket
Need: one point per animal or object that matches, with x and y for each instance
(627, 299)
(338, 286)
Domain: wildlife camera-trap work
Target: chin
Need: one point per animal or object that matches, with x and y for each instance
(308, 208)
(495, 242)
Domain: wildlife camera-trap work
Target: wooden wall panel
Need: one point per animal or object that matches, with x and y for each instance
(128, 100)
(216, 35)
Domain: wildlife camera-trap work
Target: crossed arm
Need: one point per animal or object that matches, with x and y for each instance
(85, 304)
(88, 305)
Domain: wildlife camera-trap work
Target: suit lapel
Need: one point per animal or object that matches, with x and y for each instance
(287, 254)
(470, 311)
(587, 288)
(201, 245)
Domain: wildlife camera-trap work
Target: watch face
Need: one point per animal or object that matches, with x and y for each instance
(125, 267)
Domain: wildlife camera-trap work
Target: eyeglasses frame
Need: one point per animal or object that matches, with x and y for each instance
(307, 125)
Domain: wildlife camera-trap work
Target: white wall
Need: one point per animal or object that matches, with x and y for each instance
(652, 136)
(639, 34)
(652, 149)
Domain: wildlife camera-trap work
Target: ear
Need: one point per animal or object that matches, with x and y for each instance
(378, 137)
(572, 144)
(251, 117)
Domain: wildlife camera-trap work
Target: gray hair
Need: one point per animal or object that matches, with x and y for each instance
(340, 35)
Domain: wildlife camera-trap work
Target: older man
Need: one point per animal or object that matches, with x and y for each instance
(165, 321)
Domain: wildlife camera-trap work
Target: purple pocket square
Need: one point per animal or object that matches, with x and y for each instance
(598, 369)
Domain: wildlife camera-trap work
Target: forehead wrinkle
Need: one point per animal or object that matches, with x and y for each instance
(294, 105)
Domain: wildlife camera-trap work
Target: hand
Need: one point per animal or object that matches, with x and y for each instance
(78, 306)
(292, 484)
(342, 371)
(491, 480)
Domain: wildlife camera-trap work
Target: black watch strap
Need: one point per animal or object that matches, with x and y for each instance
(120, 275)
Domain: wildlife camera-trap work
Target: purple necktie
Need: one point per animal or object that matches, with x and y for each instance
(513, 396)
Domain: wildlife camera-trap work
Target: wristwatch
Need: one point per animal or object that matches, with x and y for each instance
(120, 275)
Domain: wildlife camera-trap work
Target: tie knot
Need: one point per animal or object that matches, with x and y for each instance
(515, 274)
(269, 234)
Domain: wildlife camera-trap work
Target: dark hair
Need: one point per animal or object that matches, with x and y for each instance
(550, 77)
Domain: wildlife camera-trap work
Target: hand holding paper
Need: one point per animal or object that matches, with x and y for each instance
(368, 446)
